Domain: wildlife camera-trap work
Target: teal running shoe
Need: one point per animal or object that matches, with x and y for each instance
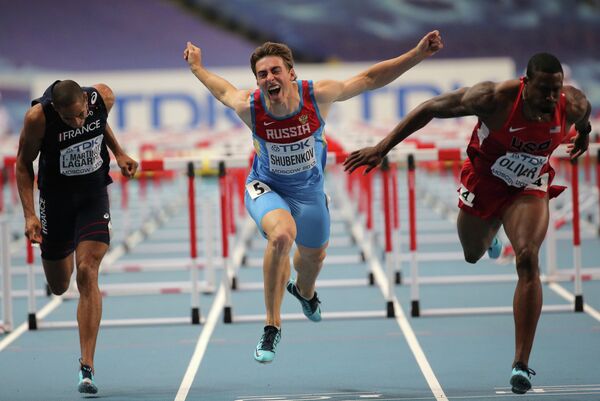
(310, 307)
(495, 250)
(520, 379)
(86, 380)
(265, 350)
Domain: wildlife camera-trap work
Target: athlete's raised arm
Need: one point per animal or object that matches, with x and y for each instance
(223, 90)
(378, 75)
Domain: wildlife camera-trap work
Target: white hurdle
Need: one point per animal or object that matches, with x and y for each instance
(7, 322)
(415, 281)
(234, 259)
(194, 285)
(571, 212)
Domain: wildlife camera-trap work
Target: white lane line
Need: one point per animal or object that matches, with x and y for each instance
(201, 345)
(411, 338)
(307, 396)
(571, 298)
(45, 311)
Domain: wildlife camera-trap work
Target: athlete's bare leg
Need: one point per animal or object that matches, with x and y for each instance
(475, 234)
(88, 256)
(280, 228)
(526, 223)
(308, 263)
(58, 273)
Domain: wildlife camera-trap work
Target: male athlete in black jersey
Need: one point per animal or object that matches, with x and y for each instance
(67, 127)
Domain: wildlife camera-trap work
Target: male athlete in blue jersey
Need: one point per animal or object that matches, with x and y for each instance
(284, 190)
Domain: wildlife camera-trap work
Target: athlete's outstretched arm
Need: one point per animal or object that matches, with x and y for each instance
(578, 113)
(30, 143)
(127, 165)
(478, 100)
(223, 90)
(378, 75)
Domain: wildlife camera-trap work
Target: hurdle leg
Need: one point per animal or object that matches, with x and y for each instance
(7, 310)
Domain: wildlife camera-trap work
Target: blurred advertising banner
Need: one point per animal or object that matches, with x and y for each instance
(175, 101)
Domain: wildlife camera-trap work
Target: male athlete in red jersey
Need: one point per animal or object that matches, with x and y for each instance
(507, 177)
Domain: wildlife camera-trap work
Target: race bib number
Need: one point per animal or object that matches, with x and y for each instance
(541, 184)
(256, 188)
(519, 169)
(465, 196)
(81, 158)
(292, 158)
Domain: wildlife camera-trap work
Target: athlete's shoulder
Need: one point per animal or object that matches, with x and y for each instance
(106, 93)
(499, 94)
(35, 115)
(34, 124)
(481, 99)
(573, 94)
(577, 104)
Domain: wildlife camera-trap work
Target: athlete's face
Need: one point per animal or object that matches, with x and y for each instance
(75, 114)
(273, 78)
(543, 91)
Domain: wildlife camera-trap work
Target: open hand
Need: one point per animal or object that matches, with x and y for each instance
(369, 156)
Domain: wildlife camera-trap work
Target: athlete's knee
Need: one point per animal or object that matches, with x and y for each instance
(87, 274)
(58, 287)
(282, 238)
(471, 256)
(316, 258)
(527, 261)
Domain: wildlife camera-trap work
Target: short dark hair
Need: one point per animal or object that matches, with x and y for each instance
(65, 93)
(543, 62)
(272, 49)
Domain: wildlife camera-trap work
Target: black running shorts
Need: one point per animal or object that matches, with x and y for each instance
(69, 218)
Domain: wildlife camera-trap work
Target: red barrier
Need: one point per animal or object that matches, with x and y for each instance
(1, 189)
(412, 212)
(575, 200)
(385, 176)
(124, 193)
(224, 222)
(29, 257)
(395, 199)
(9, 163)
(369, 205)
(230, 202)
(192, 210)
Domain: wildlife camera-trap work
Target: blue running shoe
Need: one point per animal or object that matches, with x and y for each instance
(265, 350)
(521, 378)
(86, 380)
(310, 307)
(495, 250)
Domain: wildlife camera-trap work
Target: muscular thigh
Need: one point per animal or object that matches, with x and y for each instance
(475, 232)
(263, 204)
(312, 220)
(526, 221)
